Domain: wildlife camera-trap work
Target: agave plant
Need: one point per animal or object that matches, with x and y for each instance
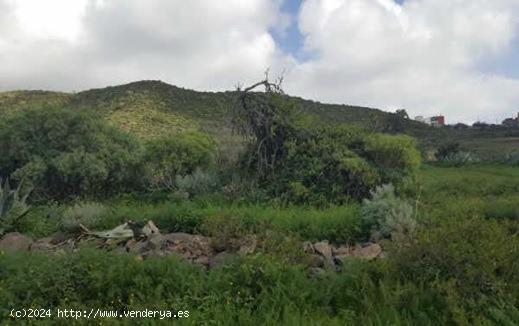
(13, 205)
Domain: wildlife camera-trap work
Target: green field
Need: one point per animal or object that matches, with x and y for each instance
(458, 205)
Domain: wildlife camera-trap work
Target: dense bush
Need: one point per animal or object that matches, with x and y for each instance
(341, 164)
(178, 155)
(65, 154)
(299, 162)
(395, 157)
(197, 183)
(447, 149)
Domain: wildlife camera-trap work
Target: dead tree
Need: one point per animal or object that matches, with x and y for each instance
(263, 119)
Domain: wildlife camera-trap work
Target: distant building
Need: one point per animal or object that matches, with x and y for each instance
(436, 121)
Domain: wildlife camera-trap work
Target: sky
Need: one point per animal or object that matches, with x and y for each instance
(459, 58)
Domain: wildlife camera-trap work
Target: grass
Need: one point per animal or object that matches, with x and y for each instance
(338, 224)
(259, 290)
(490, 191)
(459, 270)
(149, 123)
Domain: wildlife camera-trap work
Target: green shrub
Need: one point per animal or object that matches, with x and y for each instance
(178, 155)
(298, 162)
(447, 149)
(66, 154)
(512, 159)
(197, 183)
(460, 159)
(387, 215)
(341, 164)
(395, 157)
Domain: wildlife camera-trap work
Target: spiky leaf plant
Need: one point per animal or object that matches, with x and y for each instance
(13, 205)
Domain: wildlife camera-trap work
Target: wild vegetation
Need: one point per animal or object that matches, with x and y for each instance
(448, 225)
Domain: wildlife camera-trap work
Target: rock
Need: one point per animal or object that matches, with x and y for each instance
(179, 236)
(339, 259)
(150, 228)
(342, 250)
(248, 246)
(44, 245)
(157, 241)
(316, 272)
(219, 259)
(68, 246)
(308, 247)
(324, 249)
(188, 246)
(369, 251)
(137, 247)
(15, 241)
(58, 237)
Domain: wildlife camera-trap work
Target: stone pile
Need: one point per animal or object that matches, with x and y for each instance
(194, 248)
(326, 256)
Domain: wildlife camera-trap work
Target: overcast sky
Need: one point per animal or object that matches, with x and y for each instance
(459, 58)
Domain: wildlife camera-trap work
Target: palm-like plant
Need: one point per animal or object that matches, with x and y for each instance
(13, 205)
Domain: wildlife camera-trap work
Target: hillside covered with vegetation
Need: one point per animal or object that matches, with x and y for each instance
(251, 208)
(183, 106)
(150, 109)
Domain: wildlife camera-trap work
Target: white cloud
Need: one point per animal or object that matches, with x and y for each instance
(197, 43)
(52, 19)
(423, 56)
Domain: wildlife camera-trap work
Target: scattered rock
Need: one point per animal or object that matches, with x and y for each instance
(190, 247)
(368, 252)
(150, 228)
(44, 245)
(248, 246)
(157, 241)
(324, 249)
(333, 257)
(339, 259)
(178, 236)
(198, 249)
(15, 241)
(137, 247)
(58, 237)
(342, 250)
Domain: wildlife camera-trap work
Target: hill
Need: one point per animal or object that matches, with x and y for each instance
(152, 108)
(153, 102)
